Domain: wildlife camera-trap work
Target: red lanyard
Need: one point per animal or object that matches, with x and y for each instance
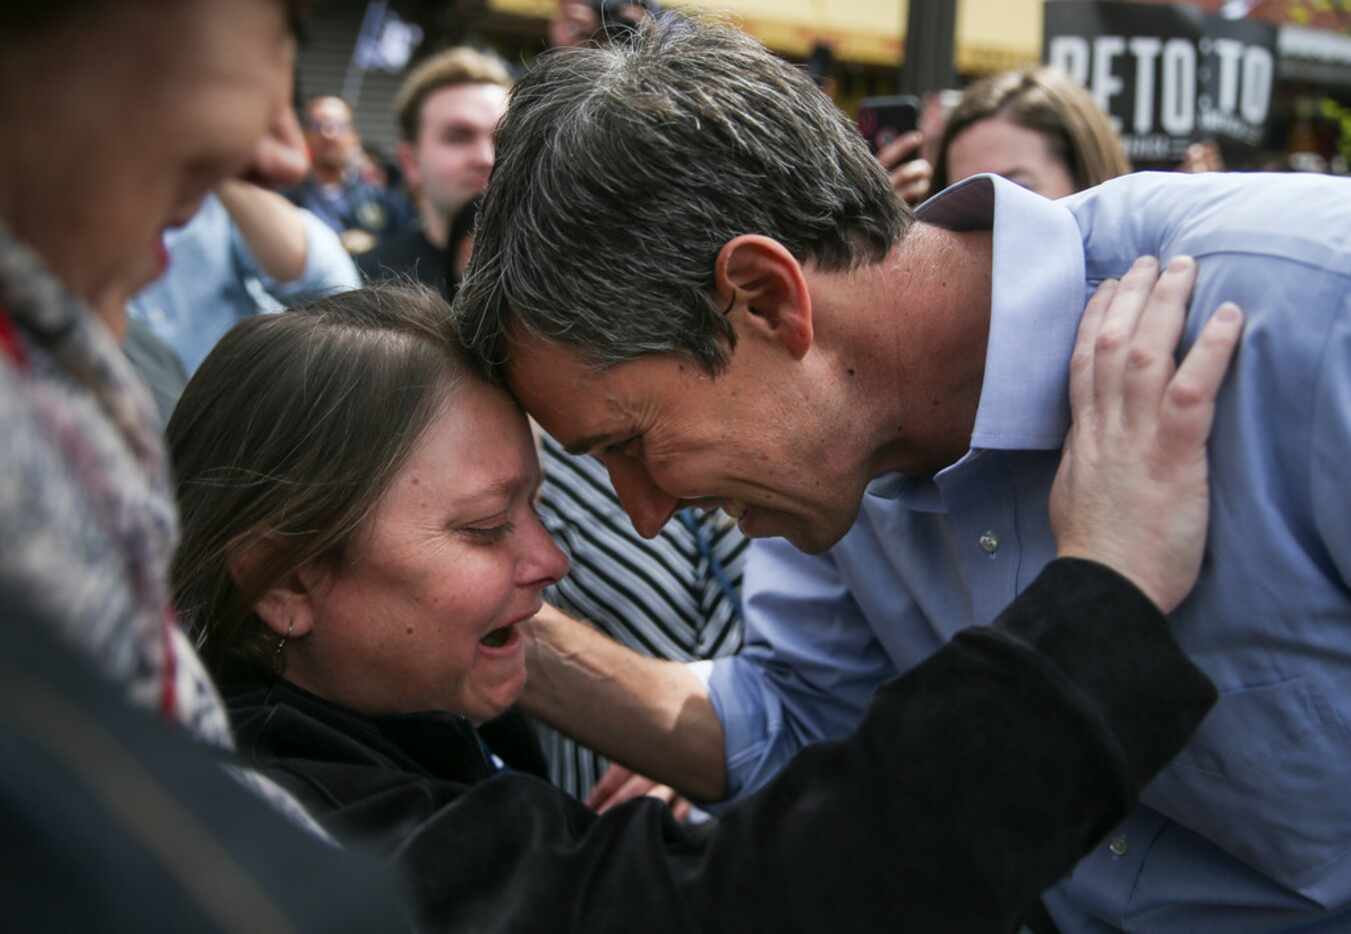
(10, 342)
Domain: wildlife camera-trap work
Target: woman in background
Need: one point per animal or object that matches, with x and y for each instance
(1035, 127)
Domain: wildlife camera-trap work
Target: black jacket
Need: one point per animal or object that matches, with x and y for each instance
(976, 780)
(114, 820)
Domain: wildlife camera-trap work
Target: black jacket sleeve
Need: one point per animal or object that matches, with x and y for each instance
(976, 780)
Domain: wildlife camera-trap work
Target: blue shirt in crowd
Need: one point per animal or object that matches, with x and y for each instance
(1250, 828)
(213, 281)
(355, 204)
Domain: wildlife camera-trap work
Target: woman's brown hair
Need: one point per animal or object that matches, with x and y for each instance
(283, 443)
(1049, 102)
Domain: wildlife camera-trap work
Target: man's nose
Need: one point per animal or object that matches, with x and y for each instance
(647, 505)
(484, 152)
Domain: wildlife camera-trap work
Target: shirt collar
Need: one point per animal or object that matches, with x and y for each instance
(1037, 297)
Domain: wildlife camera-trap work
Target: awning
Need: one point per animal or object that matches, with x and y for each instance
(1319, 56)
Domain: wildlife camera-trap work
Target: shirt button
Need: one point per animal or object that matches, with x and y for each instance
(1118, 846)
(989, 542)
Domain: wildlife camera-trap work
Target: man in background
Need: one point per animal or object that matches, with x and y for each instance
(360, 212)
(448, 108)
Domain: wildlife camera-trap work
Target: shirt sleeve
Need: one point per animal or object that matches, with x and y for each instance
(328, 267)
(808, 669)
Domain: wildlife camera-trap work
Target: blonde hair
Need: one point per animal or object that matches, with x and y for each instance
(1051, 103)
(448, 69)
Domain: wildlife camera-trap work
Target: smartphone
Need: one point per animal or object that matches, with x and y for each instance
(882, 119)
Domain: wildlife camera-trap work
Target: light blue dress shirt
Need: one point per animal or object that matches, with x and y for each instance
(1250, 828)
(213, 281)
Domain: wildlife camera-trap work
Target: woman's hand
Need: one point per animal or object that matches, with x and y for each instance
(910, 174)
(572, 24)
(619, 784)
(1132, 490)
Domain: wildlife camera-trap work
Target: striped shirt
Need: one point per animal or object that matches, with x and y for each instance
(675, 596)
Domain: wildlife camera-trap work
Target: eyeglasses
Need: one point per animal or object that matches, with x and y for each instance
(329, 126)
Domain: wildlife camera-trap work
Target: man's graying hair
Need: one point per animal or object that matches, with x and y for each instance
(622, 171)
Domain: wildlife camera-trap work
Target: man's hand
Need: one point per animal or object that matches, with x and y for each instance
(280, 159)
(910, 174)
(1132, 488)
(1202, 157)
(652, 713)
(619, 784)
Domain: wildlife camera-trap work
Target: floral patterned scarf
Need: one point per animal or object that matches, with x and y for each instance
(87, 520)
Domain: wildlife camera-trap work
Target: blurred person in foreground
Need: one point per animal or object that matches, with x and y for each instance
(1033, 126)
(447, 108)
(117, 820)
(364, 608)
(881, 398)
(336, 190)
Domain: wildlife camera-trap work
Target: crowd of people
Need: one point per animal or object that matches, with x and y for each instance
(655, 511)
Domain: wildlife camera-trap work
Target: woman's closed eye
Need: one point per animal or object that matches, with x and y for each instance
(489, 531)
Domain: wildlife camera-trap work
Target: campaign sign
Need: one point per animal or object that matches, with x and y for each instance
(1166, 75)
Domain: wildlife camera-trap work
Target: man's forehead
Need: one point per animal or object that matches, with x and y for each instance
(534, 364)
(466, 94)
(559, 387)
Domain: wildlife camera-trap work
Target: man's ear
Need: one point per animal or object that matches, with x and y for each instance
(764, 290)
(288, 606)
(407, 155)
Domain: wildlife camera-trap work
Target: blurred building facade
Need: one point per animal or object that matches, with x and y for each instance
(865, 39)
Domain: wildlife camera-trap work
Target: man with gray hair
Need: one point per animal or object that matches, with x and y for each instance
(755, 322)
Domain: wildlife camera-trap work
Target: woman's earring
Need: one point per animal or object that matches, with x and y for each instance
(279, 654)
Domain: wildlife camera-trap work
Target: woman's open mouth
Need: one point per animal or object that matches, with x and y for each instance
(500, 638)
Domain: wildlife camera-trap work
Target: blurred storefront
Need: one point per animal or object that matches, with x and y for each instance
(991, 34)
(866, 43)
(1310, 125)
(865, 39)
(1316, 94)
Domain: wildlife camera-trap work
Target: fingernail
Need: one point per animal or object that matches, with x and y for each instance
(1228, 313)
(1146, 262)
(1180, 264)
